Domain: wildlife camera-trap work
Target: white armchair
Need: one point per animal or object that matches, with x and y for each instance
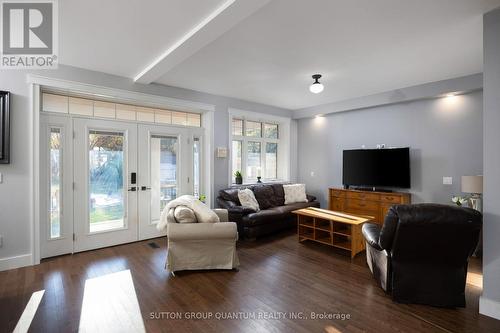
(193, 246)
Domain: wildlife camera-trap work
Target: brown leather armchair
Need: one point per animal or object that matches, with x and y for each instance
(420, 255)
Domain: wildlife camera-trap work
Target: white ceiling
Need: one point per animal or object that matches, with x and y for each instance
(122, 37)
(361, 47)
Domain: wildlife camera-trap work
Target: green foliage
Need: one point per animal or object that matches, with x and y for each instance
(237, 174)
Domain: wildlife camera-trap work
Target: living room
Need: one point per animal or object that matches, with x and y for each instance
(346, 152)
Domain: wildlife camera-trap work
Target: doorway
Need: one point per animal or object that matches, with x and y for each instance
(105, 182)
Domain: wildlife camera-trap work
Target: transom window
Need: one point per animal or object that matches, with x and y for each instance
(255, 147)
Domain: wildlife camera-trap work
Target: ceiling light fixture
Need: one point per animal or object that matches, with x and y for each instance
(316, 87)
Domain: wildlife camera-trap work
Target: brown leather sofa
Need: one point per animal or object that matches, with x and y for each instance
(421, 253)
(273, 216)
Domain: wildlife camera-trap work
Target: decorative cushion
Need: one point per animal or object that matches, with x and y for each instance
(264, 195)
(295, 193)
(247, 199)
(279, 195)
(230, 194)
(184, 214)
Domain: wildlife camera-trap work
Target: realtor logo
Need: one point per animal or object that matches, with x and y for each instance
(29, 34)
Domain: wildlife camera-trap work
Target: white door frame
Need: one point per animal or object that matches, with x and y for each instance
(64, 243)
(36, 82)
(184, 136)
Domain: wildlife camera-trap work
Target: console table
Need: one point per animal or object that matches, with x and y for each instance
(336, 229)
(370, 203)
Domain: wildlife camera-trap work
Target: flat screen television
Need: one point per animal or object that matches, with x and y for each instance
(376, 168)
(4, 127)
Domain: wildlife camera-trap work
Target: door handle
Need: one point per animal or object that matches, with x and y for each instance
(145, 188)
(132, 189)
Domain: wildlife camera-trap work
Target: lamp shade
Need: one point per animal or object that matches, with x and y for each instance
(472, 184)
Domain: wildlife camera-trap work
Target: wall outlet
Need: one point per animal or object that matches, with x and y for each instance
(447, 180)
(312, 173)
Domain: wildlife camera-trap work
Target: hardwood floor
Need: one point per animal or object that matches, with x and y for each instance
(126, 288)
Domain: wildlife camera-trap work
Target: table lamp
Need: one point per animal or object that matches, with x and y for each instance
(474, 186)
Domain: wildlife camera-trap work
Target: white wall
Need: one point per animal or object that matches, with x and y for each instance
(490, 300)
(15, 193)
(444, 136)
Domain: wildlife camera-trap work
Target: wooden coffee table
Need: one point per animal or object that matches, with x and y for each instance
(336, 229)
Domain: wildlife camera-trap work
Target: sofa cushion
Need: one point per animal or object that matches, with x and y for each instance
(264, 195)
(247, 199)
(230, 194)
(295, 206)
(264, 216)
(279, 195)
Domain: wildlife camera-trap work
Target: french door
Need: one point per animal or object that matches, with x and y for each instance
(106, 181)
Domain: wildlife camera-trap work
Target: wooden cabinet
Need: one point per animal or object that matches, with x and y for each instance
(369, 203)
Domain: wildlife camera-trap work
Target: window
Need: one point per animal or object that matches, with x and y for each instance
(55, 182)
(196, 167)
(253, 129)
(163, 173)
(254, 149)
(253, 160)
(271, 160)
(271, 131)
(236, 149)
(238, 127)
(106, 181)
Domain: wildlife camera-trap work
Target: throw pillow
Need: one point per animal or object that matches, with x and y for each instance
(184, 214)
(295, 193)
(264, 195)
(247, 199)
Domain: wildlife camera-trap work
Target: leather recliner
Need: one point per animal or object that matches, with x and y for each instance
(420, 255)
(273, 216)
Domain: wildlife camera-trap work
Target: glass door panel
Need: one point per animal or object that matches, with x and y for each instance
(106, 181)
(169, 166)
(163, 173)
(55, 182)
(105, 165)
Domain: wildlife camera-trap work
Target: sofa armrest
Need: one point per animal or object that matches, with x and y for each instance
(201, 231)
(310, 198)
(234, 209)
(371, 233)
(222, 214)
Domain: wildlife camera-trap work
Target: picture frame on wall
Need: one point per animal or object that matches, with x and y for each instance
(4, 127)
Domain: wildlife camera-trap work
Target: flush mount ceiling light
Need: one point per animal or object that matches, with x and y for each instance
(316, 87)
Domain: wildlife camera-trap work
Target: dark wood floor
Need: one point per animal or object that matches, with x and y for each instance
(277, 275)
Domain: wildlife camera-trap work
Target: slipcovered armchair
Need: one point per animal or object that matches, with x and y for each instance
(196, 246)
(420, 255)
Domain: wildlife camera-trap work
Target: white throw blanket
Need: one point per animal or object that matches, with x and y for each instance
(203, 213)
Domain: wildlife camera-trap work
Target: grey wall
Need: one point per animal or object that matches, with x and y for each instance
(490, 301)
(445, 137)
(15, 190)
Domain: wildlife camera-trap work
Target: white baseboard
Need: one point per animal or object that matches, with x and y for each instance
(16, 262)
(489, 307)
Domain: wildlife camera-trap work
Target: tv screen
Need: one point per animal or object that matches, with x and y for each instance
(4, 128)
(377, 167)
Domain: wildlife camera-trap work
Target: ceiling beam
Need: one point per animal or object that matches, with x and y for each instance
(222, 19)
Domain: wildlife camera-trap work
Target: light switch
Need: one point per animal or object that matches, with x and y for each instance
(312, 173)
(447, 180)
